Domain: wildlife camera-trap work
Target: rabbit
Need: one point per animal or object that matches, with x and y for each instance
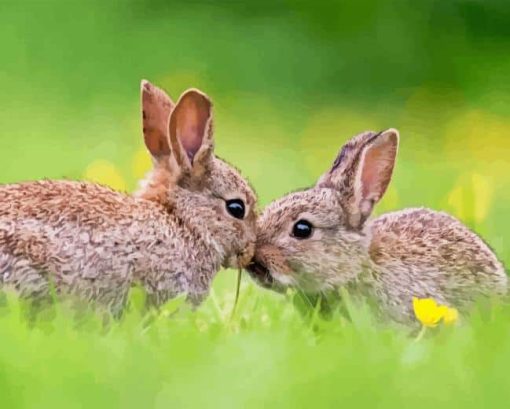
(193, 214)
(320, 239)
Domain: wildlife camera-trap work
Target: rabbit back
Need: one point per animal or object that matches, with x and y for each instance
(423, 253)
(91, 241)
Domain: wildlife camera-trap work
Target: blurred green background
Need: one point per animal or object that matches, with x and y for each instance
(291, 82)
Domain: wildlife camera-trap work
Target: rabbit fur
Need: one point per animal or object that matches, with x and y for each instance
(170, 237)
(391, 259)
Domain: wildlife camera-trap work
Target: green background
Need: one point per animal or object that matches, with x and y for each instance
(291, 82)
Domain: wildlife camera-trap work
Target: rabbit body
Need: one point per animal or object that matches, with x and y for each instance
(88, 240)
(321, 238)
(423, 253)
(171, 237)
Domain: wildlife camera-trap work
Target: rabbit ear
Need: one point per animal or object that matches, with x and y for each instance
(362, 172)
(190, 129)
(156, 109)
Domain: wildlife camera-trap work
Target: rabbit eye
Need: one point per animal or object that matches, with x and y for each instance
(302, 229)
(236, 208)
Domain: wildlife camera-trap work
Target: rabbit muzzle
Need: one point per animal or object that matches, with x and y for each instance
(242, 258)
(261, 274)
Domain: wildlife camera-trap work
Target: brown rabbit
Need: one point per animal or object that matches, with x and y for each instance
(319, 239)
(193, 214)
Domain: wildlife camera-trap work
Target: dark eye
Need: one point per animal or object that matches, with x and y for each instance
(302, 229)
(236, 208)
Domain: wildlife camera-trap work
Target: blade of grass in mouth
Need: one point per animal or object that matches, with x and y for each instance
(238, 287)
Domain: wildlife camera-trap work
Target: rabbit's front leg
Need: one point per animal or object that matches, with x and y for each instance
(161, 287)
(21, 276)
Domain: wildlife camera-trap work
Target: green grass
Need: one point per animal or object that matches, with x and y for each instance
(291, 82)
(267, 355)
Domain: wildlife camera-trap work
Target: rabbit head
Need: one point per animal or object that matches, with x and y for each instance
(315, 239)
(202, 190)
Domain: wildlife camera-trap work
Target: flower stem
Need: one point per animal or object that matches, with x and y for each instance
(420, 334)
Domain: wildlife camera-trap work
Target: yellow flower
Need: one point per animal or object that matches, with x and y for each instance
(450, 316)
(471, 198)
(141, 163)
(106, 173)
(483, 191)
(430, 313)
(484, 137)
